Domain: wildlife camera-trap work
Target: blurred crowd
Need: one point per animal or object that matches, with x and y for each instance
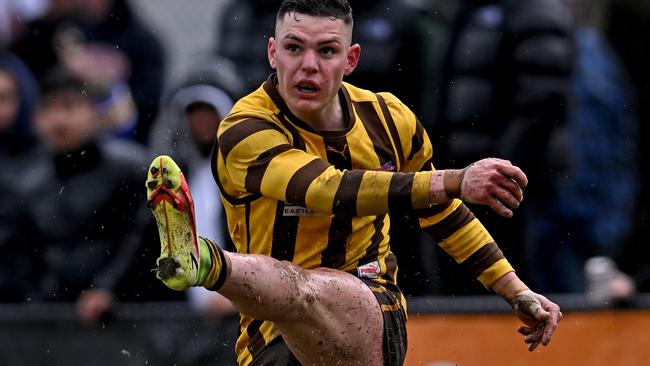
(559, 87)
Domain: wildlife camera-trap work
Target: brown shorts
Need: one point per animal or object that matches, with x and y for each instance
(394, 343)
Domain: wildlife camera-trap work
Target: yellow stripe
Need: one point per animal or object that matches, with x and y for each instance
(362, 153)
(373, 194)
(241, 346)
(420, 191)
(281, 170)
(240, 157)
(320, 194)
(393, 307)
(432, 220)
(466, 240)
(496, 271)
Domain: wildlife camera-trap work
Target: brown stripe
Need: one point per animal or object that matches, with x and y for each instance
(450, 224)
(256, 170)
(256, 341)
(344, 209)
(417, 141)
(482, 259)
(235, 134)
(376, 131)
(399, 193)
(433, 210)
(345, 199)
(372, 252)
(298, 141)
(384, 298)
(285, 231)
(248, 227)
(335, 254)
(338, 152)
(215, 174)
(391, 270)
(302, 178)
(392, 128)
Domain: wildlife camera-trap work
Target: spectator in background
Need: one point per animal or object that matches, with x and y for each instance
(106, 69)
(593, 212)
(104, 43)
(185, 130)
(242, 23)
(14, 12)
(35, 43)
(505, 92)
(113, 23)
(79, 201)
(628, 28)
(17, 154)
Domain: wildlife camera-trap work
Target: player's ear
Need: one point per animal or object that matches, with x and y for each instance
(353, 58)
(271, 52)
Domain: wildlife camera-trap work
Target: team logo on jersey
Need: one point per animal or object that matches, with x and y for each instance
(369, 270)
(299, 211)
(388, 167)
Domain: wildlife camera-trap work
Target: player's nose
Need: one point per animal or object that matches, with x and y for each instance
(310, 61)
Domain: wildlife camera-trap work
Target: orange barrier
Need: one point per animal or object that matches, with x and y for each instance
(596, 338)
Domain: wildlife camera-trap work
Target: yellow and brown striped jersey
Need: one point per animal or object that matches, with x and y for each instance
(322, 199)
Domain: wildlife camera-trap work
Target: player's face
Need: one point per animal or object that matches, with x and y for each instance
(311, 55)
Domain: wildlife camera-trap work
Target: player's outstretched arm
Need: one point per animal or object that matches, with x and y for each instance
(492, 182)
(539, 315)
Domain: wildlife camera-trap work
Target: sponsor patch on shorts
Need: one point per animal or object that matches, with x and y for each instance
(369, 270)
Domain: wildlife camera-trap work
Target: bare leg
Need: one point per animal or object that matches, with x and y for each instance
(326, 317)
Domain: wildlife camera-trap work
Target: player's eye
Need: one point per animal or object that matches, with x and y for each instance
(292, 48)
(327, 51)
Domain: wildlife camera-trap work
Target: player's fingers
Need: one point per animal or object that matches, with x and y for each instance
(542, 314)
(513, 188)
(499, 207)
(533, 345)
(524, 330)
(551, 324)
(506, 197)
(535, 338)
(514, 173)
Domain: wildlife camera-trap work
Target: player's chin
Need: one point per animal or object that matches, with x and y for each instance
(307, 106)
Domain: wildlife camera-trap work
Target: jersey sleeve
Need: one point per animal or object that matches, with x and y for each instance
(459, 233)
(451, 224)
(259, 158)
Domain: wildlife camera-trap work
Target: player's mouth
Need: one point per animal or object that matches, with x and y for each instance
(307, 89)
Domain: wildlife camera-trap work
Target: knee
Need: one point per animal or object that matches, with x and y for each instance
(306, 295)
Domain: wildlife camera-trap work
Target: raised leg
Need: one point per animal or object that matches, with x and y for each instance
(326, 317)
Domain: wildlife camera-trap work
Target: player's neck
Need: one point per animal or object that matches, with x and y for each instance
(329, 118)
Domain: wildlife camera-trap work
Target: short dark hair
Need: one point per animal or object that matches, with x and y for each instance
(339, 9)
(59, 79)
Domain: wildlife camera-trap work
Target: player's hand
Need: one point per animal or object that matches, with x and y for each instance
(539, 315)
(492, 182)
